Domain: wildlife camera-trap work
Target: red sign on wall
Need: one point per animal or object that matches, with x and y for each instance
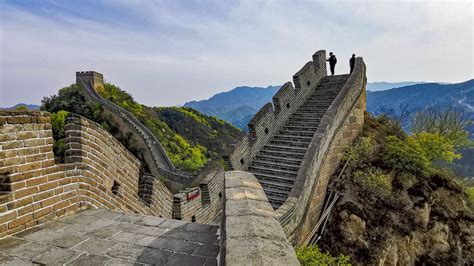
(193, 194)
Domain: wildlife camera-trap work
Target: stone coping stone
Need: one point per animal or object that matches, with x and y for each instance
(252, 234)
(104, 237)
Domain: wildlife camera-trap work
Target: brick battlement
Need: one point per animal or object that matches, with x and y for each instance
(99, 173)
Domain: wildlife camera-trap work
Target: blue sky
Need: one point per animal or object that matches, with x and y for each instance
(170, 52)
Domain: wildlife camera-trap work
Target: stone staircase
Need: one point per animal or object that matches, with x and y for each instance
(277, 163)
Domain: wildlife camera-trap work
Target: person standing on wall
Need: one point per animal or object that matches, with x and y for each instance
(332, 62)
(352, 62)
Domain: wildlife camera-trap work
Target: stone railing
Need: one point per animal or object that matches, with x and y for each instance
(250, 234)
(340, 125)
(271, 117)
(159, 162)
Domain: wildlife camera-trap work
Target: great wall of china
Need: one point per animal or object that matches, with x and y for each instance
(270, 201)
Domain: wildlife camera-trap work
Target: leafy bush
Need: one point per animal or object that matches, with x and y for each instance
(58, 121)
(311, 255)
(359, 154)
(436, 147)
(373, 181)
(405, 156)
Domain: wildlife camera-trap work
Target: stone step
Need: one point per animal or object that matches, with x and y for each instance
(289, 143)
(276, 186)
(271, 177)
(293, 138)
(296, 133)
(275, 165)
(292, 122)
(278, 159)
(293, 150)
(274, 172)
(300, 128)
(280, 194)
(295, 117)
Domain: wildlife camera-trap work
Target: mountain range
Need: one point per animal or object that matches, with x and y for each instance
(236, 106)
(240, 104)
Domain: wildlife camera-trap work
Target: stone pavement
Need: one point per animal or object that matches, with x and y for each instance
(103, 237)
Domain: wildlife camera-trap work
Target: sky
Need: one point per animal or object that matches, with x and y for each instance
(169, 52)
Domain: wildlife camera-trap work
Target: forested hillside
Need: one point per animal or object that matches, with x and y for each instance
(189, 138)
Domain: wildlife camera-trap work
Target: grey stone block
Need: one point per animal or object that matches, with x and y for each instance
(29, 251)
(188, 260)
(11, 243)
(56, 256)
(68, 241)
(207, 251)
(89, 259)
(174, 245)
(94, 246)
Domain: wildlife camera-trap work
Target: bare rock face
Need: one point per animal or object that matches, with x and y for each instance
(352, 227)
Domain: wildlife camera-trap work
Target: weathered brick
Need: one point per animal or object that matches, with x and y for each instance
(28, 151)
(19, 203)
(13, 161)
(42, 212)
(20, 221)
(60, 205)
(25, 192)
(36, 181)
(29, 167)
(36, 157)
(5, 217)
(12, 145)
(50, 201)
(26, 135)
(43, 195)
(34, 142)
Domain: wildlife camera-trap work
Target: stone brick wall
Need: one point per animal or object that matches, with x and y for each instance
(110, 163)
(271, 117)
(204, 207)
(250, 234)
(35, 189)
(99, 172)
(339, 127)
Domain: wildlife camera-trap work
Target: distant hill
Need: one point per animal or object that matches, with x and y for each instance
(418, 96)
(22, 105)
(236, 106)
(381, 86)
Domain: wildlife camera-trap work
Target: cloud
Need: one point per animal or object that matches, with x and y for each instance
(169, 52)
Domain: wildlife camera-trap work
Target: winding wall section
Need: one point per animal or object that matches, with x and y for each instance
(157, 160)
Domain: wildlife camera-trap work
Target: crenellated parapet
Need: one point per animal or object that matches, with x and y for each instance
(272, 116)
(340, 125)
(99, 173)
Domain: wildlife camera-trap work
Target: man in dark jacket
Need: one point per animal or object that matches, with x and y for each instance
(352, 62)
(332, 62)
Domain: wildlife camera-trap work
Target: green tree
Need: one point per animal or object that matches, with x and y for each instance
(311, 255)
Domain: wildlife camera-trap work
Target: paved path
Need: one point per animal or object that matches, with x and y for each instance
(103, 237)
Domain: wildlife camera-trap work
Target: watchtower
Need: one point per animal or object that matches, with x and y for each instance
(96, 78)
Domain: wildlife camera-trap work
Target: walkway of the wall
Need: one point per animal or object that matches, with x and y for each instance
(99, 173)
(250, 234)
(339, 127)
